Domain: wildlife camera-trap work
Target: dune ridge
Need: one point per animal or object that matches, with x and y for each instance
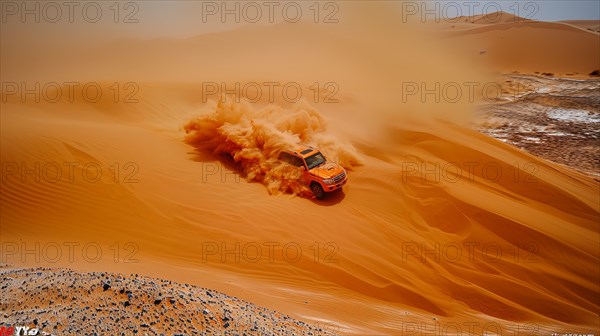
(510, 43)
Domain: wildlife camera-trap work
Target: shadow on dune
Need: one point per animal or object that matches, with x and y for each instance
(330, 199)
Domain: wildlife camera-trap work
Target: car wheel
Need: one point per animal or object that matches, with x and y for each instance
(317, 190)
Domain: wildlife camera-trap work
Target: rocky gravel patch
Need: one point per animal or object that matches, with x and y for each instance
(66, 302)
(554, 118)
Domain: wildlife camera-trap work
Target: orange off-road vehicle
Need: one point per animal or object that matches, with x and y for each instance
(319, 175)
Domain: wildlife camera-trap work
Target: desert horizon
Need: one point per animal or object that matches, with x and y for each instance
(143, 187)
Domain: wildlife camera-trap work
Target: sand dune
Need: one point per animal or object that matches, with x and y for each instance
(591, 25)
(378, 258)
(509, 43)
(490, 18)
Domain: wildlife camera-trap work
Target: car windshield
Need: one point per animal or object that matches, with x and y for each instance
(315, 160)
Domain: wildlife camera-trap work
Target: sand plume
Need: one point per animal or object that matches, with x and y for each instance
(254, 137)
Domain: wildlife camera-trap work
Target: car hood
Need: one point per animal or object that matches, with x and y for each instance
(327, 170)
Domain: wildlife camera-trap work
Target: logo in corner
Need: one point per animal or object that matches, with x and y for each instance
(20, 330)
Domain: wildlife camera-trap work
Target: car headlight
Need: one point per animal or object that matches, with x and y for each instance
(328, 181)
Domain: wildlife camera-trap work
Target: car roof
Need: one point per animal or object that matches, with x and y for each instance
(304, 151)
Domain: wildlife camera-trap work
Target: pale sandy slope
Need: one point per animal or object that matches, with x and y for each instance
(592, 25)
(509, 43)
(546, 229)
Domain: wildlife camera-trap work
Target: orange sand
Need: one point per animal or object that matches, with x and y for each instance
(528, 239)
